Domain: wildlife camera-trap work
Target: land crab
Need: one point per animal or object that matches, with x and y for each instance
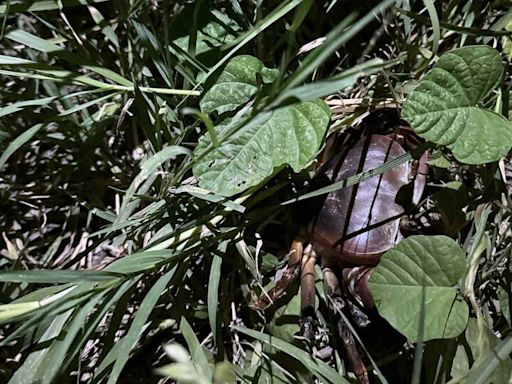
(352, 228)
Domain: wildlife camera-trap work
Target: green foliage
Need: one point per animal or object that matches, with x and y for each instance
(491, 363)
(185, 370)
(317, 367)
(290, 135)
(150, 152)
(413, 287)
(443, 107)
(236, 84)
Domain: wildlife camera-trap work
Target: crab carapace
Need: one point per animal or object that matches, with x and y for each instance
(351, 227)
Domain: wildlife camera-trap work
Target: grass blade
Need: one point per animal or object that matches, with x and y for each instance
(54, 357)
(134, 332)
(27, 371)
(434, 18)
(213, 293)
(44, 5)
(320, 369)
(479, 374)
(334, 84)
(335, 39)
(55, 276)
(196, 350)
(18, 142)
(352, 180)
(147, 169)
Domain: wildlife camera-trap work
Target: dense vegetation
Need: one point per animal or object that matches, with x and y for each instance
(156, 163)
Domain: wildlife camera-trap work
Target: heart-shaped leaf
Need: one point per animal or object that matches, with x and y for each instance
(443, 107)
(285, 323)
(236, 84)
(290, 135)
(421, 267)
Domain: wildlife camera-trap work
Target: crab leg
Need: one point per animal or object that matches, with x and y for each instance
(420, 168)
(307, 292)
(337, 304)
(289, 274)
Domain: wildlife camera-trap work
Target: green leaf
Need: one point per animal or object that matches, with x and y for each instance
(213, 29)
(90, 326)
(148, 168)
(290, 135)
(494, 367)
(267, 371)
(337, 37)
(320, 369)
(338, 83)
(434, 18)
(443, 108)
(506, 42)
(13, 310)
(46, 307)
(206, 195)
(28, 373)
(285, 323)
(32, 41)
(44, 5)
(54, 357)
(276, 14)
(39, 44)
(224, 373)
(182, 372)
(213, 293)
(18, 142)
(236, 84)
(55, 276)
(139, 262)
(187, 370)
(490, 365)
(449, 202)
(504, 298)
(197, 354)
(437, 159)
(132, 336)
(430, 263)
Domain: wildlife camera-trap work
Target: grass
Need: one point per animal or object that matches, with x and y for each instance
(111, 251)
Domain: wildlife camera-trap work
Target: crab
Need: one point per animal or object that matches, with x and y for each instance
(351, 230)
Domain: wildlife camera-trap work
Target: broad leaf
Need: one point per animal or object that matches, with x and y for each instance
(443, 108)
(236, 84)
(265, 370)
(421, 267)
(285, 323)
(290, 135)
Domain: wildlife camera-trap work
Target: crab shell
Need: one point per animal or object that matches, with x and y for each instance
(357, 224)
